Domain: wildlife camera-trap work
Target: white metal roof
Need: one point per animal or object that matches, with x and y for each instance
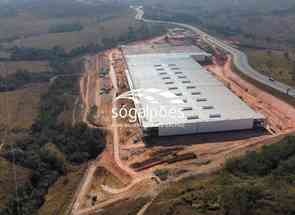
(177, 81)
(165, 48)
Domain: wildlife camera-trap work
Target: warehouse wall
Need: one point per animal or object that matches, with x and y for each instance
(227, 125)
(207, 127)
(178, 130)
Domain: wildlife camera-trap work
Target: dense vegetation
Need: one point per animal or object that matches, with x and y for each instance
(257, 184)
(52, 148)
(272, 160)
(65, 28)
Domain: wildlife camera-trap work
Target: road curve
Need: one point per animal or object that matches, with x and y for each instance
(240, 59)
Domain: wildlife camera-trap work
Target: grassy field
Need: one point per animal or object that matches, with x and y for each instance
(93, 32)
(26, 24)
(280, 95)
(22, 106)
(38, 17)
(103, 176)
(30, 66)
(274, 64)
(62, 192)
(126, 207)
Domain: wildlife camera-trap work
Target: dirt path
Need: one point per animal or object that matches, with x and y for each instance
(89, 87)
(112, 72)
(116, 145)
(83, 188)
(75, 111)
(86, 97)
(134, 191)
(110, 158)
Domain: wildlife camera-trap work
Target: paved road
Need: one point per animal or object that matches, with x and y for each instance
(240, 59)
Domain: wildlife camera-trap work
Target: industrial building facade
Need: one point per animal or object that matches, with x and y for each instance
(193, 100)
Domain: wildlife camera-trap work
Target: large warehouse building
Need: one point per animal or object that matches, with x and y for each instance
(175, 96)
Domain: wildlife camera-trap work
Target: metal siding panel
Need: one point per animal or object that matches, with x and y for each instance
(179, 130)
(227, 125)
(207, 127)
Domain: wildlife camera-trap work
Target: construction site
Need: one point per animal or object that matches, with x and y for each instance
(223, 116)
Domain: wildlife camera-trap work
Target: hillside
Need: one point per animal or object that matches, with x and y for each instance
(259, 183)
(43, 49)
(68, 24)
(247, 21)
(7, 181)
(42, 44)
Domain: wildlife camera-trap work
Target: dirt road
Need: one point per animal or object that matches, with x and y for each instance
(111, 156)
(280, 115)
